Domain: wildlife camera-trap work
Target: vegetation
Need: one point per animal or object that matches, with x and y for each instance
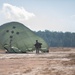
(58, 39)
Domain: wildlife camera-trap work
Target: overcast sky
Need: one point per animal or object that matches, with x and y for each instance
(53, 15)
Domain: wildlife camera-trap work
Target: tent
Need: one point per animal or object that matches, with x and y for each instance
(16, 37)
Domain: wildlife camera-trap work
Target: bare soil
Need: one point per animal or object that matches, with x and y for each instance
(59, 61)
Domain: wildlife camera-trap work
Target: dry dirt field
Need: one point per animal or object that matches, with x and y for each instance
(59, 61)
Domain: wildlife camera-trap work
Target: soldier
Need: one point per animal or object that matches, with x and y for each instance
(37, 46)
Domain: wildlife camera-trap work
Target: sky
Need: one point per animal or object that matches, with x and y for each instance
(52, 15)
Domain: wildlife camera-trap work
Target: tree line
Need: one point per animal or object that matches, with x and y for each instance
(58, 39)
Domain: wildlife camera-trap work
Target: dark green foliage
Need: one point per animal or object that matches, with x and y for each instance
(58, 39)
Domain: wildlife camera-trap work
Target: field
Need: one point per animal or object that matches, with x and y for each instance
(59, 61)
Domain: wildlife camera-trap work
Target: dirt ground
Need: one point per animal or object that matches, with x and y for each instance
(59, 61)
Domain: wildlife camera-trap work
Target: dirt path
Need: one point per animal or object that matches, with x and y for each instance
(53, 63)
